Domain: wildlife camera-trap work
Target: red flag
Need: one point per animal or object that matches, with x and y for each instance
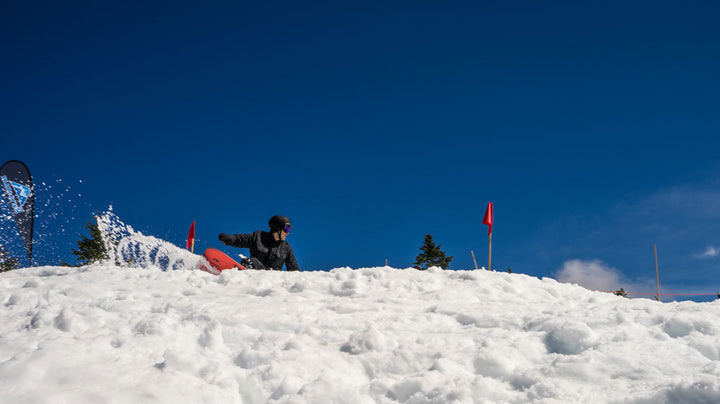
(488, 219)
(191, 236)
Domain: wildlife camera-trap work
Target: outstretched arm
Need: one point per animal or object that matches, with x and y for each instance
(236, 240)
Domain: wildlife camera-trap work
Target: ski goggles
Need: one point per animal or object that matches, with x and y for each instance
(287, 228)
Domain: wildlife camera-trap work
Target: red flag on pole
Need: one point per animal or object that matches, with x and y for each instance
(191, 237)
(488, 219)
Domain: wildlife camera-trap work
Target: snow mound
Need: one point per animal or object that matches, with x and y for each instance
(130, 248)
(106, 333)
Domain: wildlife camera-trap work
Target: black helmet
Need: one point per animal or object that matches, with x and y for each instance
(278, 223)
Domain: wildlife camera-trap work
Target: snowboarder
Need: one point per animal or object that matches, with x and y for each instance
(267, 250)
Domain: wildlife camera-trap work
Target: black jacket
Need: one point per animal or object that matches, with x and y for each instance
(263, 246)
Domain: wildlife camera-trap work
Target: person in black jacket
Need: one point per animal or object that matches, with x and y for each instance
(267, 250)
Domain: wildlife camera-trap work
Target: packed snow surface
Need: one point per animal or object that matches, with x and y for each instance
(118, 334)
(108, 334)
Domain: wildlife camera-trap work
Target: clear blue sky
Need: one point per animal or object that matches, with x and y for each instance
(592, 126)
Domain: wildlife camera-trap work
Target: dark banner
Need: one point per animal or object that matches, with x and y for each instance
(17, 185)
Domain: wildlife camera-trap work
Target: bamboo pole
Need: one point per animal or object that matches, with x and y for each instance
(490, 252)
(192, 246)
(474, 261)
(657, 275)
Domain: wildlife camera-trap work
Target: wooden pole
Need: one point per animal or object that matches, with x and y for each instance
(657, 275)
(192, 246)
(386, 262)
(474, 261)
(490, 253)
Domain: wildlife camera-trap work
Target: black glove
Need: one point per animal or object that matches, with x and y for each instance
(225, 238)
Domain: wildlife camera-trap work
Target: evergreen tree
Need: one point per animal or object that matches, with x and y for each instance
(432, 255)
(91, 249)
(7, 262)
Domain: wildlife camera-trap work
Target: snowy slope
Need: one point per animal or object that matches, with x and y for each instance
(130, 335)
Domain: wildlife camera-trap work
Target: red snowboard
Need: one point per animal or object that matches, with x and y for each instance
(218, 262)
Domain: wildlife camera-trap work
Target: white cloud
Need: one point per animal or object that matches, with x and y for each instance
(710, 252)
(594, 275)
